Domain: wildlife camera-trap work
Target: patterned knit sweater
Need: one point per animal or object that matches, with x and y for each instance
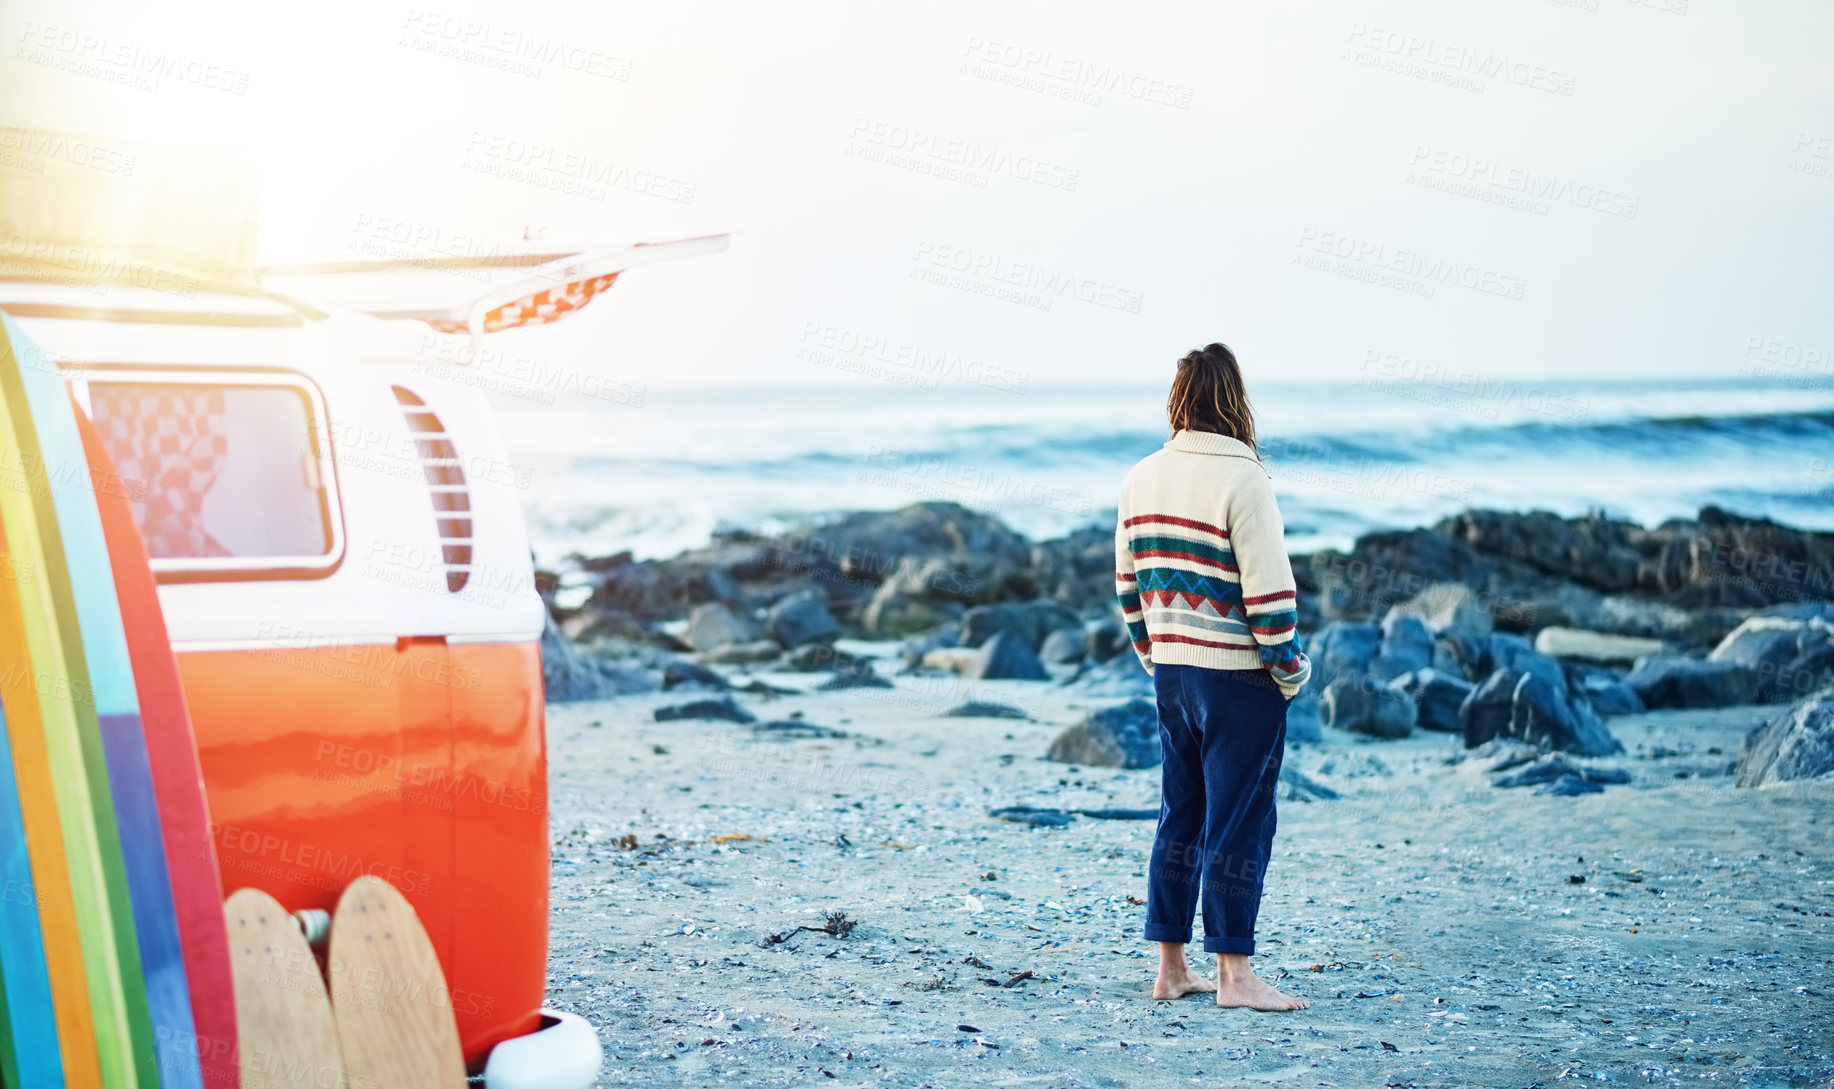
(1200, 562)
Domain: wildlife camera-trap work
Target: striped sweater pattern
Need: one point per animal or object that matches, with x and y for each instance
(1201, 570)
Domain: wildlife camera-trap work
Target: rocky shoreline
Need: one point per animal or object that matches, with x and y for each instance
(1523, 628)
(871, 802)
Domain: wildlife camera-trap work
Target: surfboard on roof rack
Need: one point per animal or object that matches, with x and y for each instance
(184, 221)
(537, 286)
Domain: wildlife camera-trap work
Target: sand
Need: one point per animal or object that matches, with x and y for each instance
(1439, 926)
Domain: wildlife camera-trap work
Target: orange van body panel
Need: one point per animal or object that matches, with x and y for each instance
(420, 762)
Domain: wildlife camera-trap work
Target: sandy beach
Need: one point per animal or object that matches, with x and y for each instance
(683, 494)
(1672, 930)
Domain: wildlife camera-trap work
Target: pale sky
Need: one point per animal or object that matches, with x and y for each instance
(1318, 183)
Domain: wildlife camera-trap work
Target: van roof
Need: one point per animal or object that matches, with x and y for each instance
(81, 324)
(159, 298)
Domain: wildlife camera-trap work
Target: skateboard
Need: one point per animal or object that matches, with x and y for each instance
(285, 1032)
(394, 1014)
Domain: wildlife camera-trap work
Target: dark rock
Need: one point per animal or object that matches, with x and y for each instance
(818, 658)
(1064, 646)
(1553, 767)
(859, 675)
(890, 573)
(1303, 726)
(1362, 706)
(1355, 764)
(908, 603)
(1790, 656)
(1103, 639)
(749, 653)
(649, 591)
(893, 573)
(1568, 786)
(1295, 786)
(1605, 691)
(1536, 568)
(1704, 563)
(1031, 621)
(872, 543)
(1605, 774)
(1507, 752)
(1808, 674)
(1407, 645)
(603, 622)
(1342, 650)
(1797, 744)
(984, 709)
(1502, 752)
(1436, 697)
(800, 619)
(1691, 682)
(1529, 707)
(913, 649)
(1795, 564)
(1594, 551)
(691, 675)
(1123, 736)
(1120, 814)
(1450, 609)
(1462, 655)
(1119, 677)
(1076, 569)
(1801, 610)
(1579, 608)
(1035, 816)
(718, 586)
(1005, 657)
(603, 564)
(713, 625)
(719, 710)
(569, 676)
(1544, 770)
(1681, 627)
(1384, 569)
(796, 728)
(1508, 651)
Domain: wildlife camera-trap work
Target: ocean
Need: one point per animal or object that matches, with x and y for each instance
(664, 469)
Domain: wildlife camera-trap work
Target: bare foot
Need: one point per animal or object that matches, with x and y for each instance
(1178, 982)
(1249, 991)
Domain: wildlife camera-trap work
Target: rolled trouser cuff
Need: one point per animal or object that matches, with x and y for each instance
(1166, 932)
(1244, 946)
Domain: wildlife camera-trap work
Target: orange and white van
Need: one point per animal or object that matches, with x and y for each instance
(345, 573)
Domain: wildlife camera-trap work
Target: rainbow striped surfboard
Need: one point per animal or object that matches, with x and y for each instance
(94, 967)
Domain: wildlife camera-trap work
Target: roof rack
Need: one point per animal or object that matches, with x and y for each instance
(559, 281)
(48, 290)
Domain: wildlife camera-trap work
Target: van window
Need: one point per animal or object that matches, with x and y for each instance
(222, 475)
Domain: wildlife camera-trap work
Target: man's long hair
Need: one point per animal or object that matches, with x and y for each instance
(1208, 395)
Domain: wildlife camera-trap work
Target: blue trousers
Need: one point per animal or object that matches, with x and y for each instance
(1223, 732)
